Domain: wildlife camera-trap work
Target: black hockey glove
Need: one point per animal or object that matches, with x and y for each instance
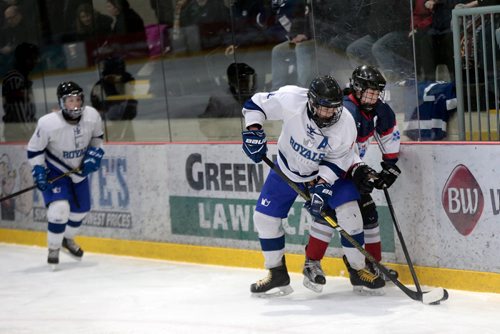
(387, 175)
(255, 144)
(363, 176)
(320, 194)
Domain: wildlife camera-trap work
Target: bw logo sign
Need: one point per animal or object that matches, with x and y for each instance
(462, 200)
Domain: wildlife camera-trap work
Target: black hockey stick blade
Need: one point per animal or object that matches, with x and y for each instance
(432, 297)
(22, 191)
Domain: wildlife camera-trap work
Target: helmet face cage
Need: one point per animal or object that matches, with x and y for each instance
(67, 89)
(325, 92)
(364, 78)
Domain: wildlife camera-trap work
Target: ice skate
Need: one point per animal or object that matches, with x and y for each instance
(53, 258)
(277, 283)
(72, 248)
(314, 277)
(374, 269)
(364, 282)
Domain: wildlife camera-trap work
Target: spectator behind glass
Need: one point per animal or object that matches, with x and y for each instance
(129, 33)
(112, 97)
(17, 94)
(164, 11)
(16, 30)
(242, 80)
(386, 45)
(297, 51)
(90, 23)
(247, 27)
(440, 31)
(199, 24)
(422, 21)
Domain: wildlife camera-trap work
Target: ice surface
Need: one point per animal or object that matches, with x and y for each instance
(111, 294)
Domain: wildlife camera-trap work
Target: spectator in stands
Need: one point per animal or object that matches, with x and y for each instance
(200, 24)
(386, 45)
(90, 23)
(128, 31)
(298, 50)
(337, 23)
(440, 31)
(422, 21)
(16, 30)
(17, 94)
(112, 97)
(164, 11)
(248, 24)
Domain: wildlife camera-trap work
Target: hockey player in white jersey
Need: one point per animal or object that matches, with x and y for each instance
(66, 140)
(316, 147)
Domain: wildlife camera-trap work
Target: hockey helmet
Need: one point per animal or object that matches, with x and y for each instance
(367, 77)
(66, 89)
(325, 92)
(242, 79)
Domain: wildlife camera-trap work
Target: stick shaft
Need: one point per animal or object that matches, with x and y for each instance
(17, 193)
(402, 240)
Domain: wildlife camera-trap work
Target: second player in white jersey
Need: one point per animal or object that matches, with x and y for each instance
(68, 141)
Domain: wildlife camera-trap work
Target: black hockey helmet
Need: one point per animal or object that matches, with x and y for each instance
(325, 92)
(365, 77)
(242, 79)
(69, 88)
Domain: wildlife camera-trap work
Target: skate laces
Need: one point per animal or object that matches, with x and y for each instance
(366, 275)
(266, 280)
(53, 253)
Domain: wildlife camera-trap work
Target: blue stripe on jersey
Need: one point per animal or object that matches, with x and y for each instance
(336, 169)
(250, 105)
(296, 173)
(273, 244)
(360, 238)
(32, 154)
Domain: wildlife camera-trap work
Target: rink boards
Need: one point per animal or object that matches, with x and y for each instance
(194, 203)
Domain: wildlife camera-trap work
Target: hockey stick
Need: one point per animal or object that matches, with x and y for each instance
(402, 240)
(431, 297)
(34, 186)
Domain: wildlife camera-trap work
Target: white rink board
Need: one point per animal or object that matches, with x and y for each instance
(134, 191)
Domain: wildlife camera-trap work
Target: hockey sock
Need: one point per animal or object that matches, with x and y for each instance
(375, 249)
(316, 249)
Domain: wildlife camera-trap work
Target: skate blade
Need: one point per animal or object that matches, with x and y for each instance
(318, 288)
(274, 292)
(364, 291)
(53, 267)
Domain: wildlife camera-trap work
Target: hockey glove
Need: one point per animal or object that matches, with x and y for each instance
(255, 144)
(387, 175)
(40, 177)
(363, 176)
(320, 194)
(92, 160)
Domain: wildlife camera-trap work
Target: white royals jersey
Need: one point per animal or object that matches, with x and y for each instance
(60, 145)
(305, 150)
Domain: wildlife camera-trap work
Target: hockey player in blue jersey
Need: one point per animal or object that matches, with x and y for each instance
(374, 119)
(66, 140)
(316, 147)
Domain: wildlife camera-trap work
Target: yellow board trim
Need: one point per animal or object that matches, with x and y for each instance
(447, 278)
